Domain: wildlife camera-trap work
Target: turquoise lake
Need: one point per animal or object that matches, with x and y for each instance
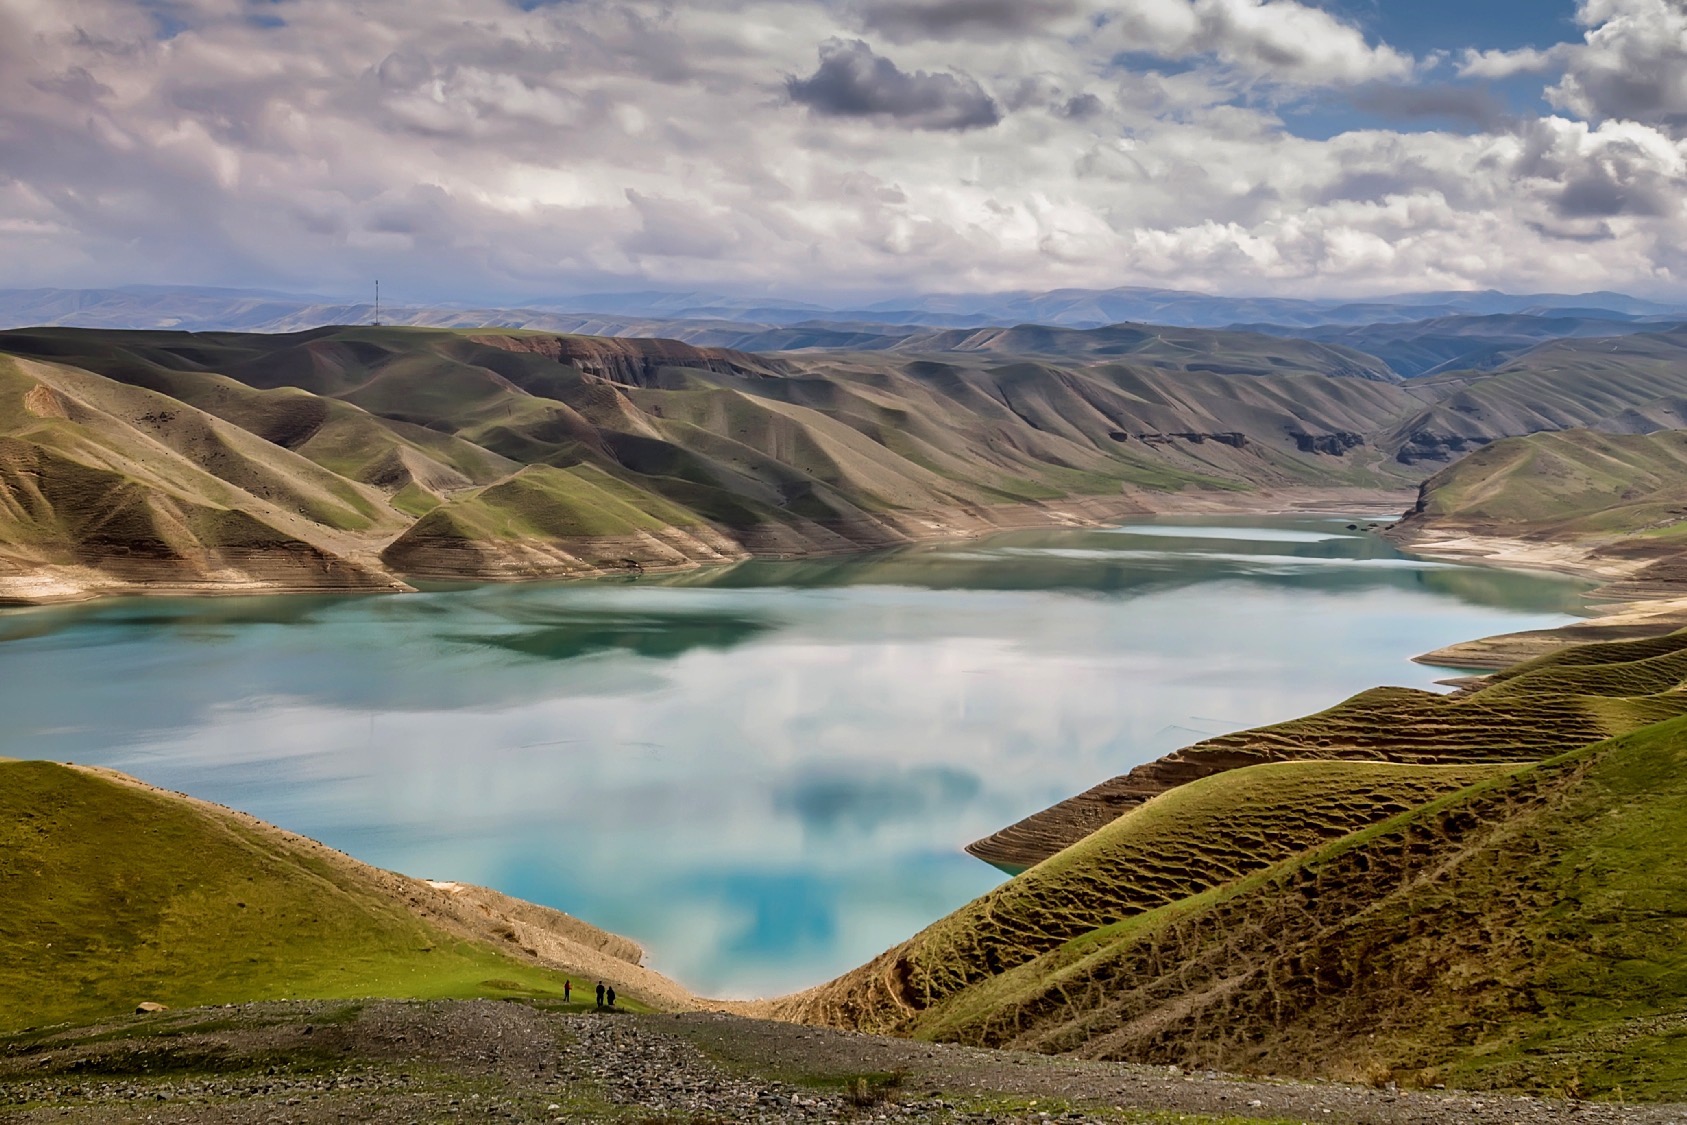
(764, 773)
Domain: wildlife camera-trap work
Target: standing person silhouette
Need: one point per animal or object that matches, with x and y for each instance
(600, 994)
(611, 996)
(567, 987)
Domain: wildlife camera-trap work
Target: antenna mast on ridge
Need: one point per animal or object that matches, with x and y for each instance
(377, 302)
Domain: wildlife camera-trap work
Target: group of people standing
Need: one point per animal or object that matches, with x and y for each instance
(603, 994)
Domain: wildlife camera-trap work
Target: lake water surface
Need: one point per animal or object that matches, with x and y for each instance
(764, 773)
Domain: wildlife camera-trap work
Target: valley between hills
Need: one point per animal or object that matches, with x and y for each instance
(362, 459)
(1406, 891)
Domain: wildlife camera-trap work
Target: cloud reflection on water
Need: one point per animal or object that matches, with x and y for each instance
(765, 773)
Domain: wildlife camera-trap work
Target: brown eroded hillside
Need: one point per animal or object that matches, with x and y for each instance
(356, 456)
(371, 453)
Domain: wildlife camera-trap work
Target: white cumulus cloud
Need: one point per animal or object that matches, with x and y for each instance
(483, 150)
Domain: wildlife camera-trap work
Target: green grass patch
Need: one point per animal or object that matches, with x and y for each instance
(115, 895)
(415, 500)
(548, 503)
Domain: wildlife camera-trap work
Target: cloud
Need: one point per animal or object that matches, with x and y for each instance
(1632, 64)
(852, 81)
(1499, 65)
(1276, 39)
(1472, 105)
(475, 150)
(1619, 169)
(1081, 107)
(903, 20)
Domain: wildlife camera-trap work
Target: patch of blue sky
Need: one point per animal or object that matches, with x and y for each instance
(1425, 26)
(1437, 31)
(168, 17)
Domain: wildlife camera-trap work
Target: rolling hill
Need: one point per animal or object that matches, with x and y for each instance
(1516, 927)
(355, 456)
(1575, 485)
(1609, 503)
(117, 894)
(348, 458)
(1626, 384)
(1465, 343)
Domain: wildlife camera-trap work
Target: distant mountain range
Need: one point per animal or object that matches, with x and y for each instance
(1400, 337)
(210, 309)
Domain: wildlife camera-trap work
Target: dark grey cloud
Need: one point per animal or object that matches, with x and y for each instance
(1080, 107)
(1473, 105)
(75, 85)
(1601, 174)
(1588, 232)
(852, 81)
(903, 20)
(1612, 187)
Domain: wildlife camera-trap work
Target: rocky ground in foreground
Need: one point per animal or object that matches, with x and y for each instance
(309, 1062)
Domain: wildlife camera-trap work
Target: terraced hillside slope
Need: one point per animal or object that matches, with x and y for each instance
(118, 894)
(1525, 717)
(1178, 844)
(1524, 931)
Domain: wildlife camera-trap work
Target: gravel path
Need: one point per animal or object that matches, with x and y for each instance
(390, 1063)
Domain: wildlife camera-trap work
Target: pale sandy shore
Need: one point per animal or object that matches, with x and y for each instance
(1662, 608)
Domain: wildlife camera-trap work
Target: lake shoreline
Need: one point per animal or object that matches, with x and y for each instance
(70, 583)
(526, 736)
(1635, 606)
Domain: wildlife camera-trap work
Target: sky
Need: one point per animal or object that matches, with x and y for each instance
(495, 150)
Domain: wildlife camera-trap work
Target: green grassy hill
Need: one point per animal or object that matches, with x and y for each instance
(1524, 931)
(1186, 840)
(1576, 485)
(1614, 502)
(117, 894)
(97, 473)
(1527, 715)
